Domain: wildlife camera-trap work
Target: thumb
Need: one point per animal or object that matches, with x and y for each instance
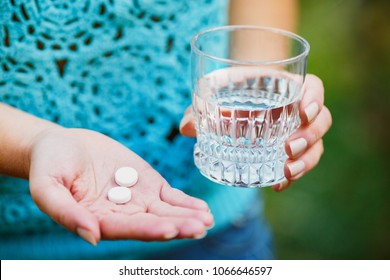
(55, 199)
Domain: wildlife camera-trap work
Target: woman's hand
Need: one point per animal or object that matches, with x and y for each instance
(71, 171)
(304, 147)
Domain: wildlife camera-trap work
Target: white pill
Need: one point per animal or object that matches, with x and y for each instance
(126, 176)
(119, 195)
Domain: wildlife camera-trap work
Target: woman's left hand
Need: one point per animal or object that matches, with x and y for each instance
(305, 146)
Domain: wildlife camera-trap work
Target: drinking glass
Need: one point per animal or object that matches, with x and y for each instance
(247, 84)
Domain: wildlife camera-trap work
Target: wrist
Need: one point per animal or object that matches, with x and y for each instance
(18, 132)
(41, 130)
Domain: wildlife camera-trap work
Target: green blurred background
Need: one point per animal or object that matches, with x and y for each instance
(341, 209)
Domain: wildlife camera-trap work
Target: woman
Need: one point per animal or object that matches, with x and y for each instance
(104, 85)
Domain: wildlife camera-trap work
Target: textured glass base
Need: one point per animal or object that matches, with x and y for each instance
(240, 167)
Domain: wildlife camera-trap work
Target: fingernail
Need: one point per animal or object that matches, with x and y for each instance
(171, 235)
(311, 111)
(211, 226)
(297, 146)
(86, 235)
(186, 119)
(200, 236)
(296, 167)
(282, 185)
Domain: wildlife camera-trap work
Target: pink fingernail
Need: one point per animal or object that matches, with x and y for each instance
(296, 167)
(200, 236)
(311, 111)
(86, 235)
(282, 185)
(171, 235)
(297, 146)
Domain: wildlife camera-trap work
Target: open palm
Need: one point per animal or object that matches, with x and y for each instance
(71, 172)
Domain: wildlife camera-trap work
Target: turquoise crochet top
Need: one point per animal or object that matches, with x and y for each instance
(118, 67)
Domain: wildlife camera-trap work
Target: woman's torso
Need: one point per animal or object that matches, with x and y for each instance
(117, 67)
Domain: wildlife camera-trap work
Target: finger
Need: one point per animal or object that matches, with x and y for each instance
(312, 100)
(187, 127)
(295, 169)
(140, 226)
(190, 228)
(282, 186)
(55, 200)
(306, 136)
(161, 208)
(148, 227)
(179, 198)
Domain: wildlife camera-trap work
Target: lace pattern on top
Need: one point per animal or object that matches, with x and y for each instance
(118, 67)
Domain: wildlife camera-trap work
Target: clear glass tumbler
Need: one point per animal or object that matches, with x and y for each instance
(247, 84)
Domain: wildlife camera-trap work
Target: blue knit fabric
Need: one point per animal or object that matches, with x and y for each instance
(118, 67)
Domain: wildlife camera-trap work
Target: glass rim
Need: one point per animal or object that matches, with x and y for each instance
(279, 31)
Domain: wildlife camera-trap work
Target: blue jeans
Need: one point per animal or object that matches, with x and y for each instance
(247, 238)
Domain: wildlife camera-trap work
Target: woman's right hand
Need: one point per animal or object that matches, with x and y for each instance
(71, 171)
